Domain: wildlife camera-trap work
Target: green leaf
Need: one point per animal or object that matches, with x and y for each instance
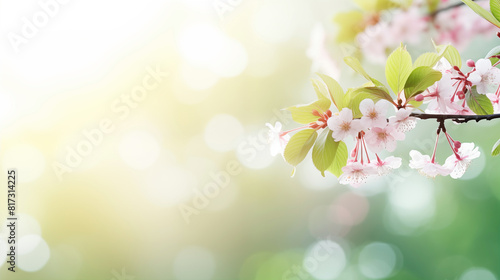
(355, 96)
(496, 149)
(482, 12)
(320, 89)
(451, 54)
(324, 151)
(299, 145)
(355, 64)
(494, 51)
(427, 59)
(336, 93)
(421, 79)
(416, 104)
(495, 8)
(340, 159)
(398, 68)
(479, 103)
(304, 115)
(378, 93)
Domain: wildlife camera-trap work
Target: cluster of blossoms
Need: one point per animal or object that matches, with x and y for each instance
(434, 80)
(382, 30)
(448, 95)
(460, 25)
(448, 91)
(372, 133)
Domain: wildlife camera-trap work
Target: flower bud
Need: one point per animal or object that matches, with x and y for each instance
(471, 63)
(457, 145)
(419, 98)
(460, 95)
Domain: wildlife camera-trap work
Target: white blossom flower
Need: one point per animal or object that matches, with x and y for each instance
(343, 125)
(485, 76)
(356, 173)
(277, 140)
(373, 114)
(403, 121)
(425, 166)
(387, 165)
(467, 153)
(439, 95)
(378, 138)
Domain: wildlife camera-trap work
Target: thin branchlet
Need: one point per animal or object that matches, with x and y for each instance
(436, 12)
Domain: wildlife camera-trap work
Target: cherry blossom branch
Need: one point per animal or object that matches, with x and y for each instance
(456, 118)
(435, 13)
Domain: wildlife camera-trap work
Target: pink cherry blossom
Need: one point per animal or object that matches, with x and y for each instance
(375, 41)
(407, 26)
(426, 167)
(387, 165)
(356, 173)
(373, 114)
(485, 76)
(343, 125)
(439, 95)
(403, 121)
(277, 140)
(459, 165)
(460, 25)
(378, 138)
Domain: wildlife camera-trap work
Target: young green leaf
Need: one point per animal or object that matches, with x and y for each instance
(398, 68)
(324, 151)
(479, 103)
(355, 64)
(299, 145)
(496, 149)
(320, 89)
(420, 79)
(427, 59)
(336, 93)
(494, 51)
(495, 8)
(416, 104)
(340, 160)
(451, 54)
(304, 115)
(482, 12)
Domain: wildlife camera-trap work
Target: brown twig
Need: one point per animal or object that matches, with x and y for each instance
(456, 118)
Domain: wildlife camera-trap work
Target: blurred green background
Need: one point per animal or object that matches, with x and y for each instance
(180, 184)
